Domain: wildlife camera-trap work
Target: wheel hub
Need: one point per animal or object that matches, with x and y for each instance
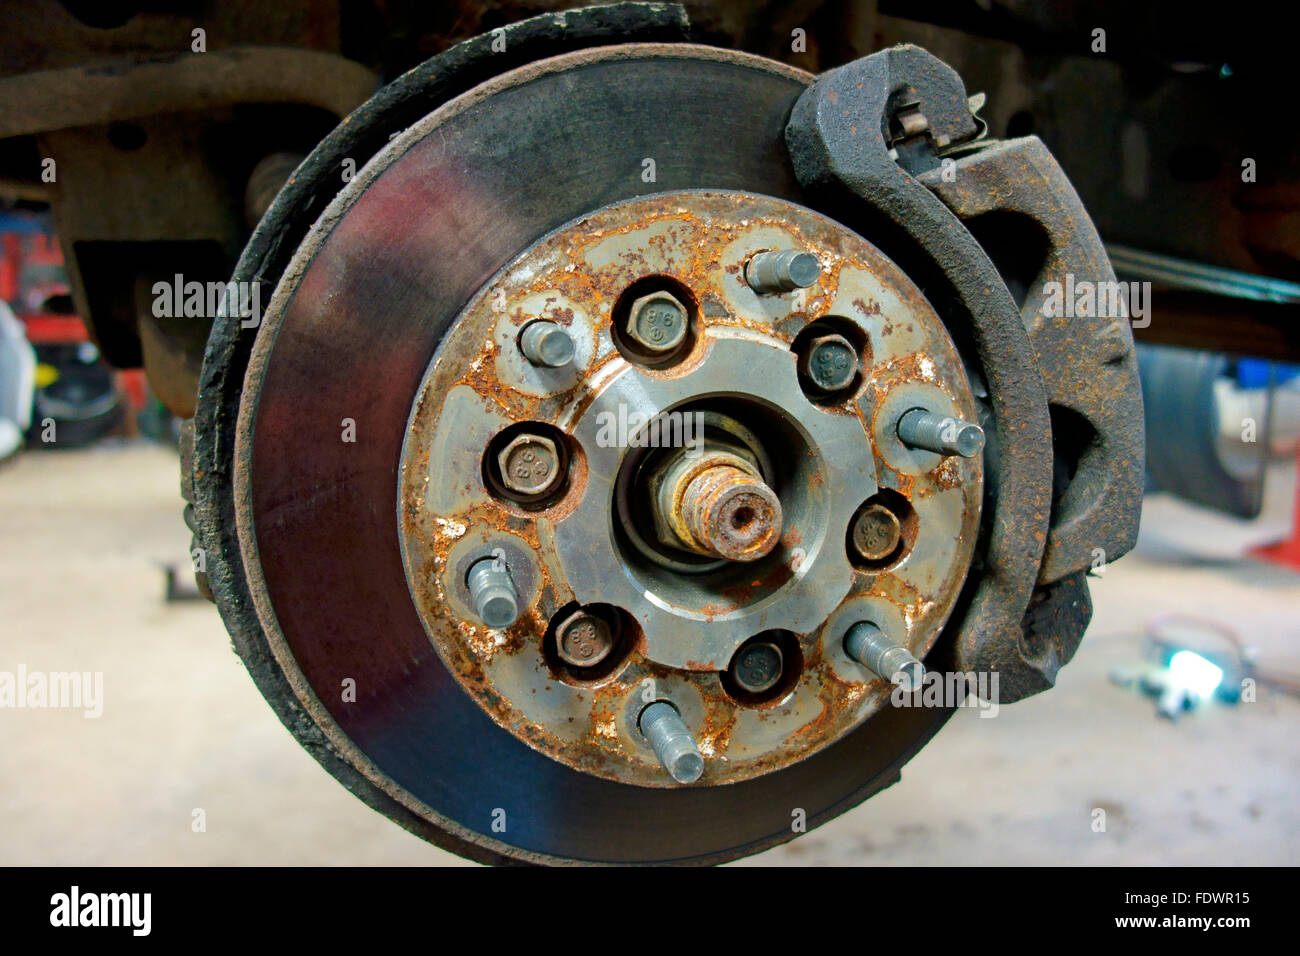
(710, 491)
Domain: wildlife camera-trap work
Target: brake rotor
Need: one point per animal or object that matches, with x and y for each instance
(392, 445)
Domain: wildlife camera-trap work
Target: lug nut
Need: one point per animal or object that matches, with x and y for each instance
(868, 645)
(493, 592)
(657, 322)
(771, 273)
(546, 344)
(830, 363)
(530, 464)
(876, 533)
(941, 434)
(583, 639)
(673, 744)
(757, 666)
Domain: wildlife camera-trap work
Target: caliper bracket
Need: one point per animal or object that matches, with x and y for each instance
(880, 142)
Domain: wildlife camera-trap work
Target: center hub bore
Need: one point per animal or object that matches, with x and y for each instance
(687, 579)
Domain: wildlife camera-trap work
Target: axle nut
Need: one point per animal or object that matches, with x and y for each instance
(530, 465)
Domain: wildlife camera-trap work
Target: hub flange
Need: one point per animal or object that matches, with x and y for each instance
(710, 499)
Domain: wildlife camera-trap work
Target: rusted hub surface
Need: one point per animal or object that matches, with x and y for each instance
(710, 496)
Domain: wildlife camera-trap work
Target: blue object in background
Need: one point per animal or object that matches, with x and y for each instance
(1254, 373)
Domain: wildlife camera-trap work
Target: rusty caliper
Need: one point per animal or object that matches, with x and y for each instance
(591, 495)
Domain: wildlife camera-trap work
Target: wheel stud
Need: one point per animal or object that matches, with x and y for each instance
(771, 273)
(673, 744)
(941, 434)
(546, 344)
(867, 644)
(493, 591)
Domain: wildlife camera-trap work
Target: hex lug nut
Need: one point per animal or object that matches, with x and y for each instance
(583, 639)
(867, 644)
(657, 322)
(876, 533)
(771, 273)
(673, 744)
(530, 465)
(546, 344)
(941, 434)
(830, 363)
(757, 667)
(495, 600)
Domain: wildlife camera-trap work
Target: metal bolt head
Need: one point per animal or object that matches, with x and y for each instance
(583, 639)
(876, 533)
(830, 362)
(657, 322)
(530, 464)
(757, 666)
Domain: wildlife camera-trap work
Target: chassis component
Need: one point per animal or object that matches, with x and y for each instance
(696, 658)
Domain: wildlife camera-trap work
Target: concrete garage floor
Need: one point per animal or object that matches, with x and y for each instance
(82, 538)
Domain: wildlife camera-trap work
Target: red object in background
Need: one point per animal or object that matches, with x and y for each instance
(11, 257)
(1287, 551)
(31, 271)
(54, 329)
(133, 383)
